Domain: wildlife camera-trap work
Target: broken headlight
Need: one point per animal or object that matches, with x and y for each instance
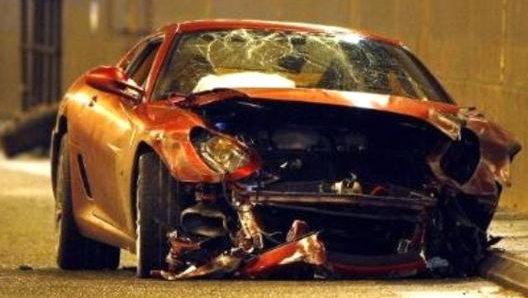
(221, 153)
(462, 157)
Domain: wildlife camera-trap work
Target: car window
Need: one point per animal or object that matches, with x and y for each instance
(139, 67)
(207, 60)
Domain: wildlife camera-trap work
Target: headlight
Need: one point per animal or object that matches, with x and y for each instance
(222, 154)
(462, 157)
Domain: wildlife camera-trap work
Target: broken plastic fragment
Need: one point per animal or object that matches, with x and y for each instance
(343, 187)
(437, 264)
(179, 246)
(298, 229)
(250, 236)
(309, 250)
(447, 123)
(222, 264)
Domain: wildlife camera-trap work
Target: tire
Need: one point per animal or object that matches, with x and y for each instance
(157, 213)
(74, 251)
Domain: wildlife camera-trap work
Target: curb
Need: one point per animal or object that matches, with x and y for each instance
(506, 270)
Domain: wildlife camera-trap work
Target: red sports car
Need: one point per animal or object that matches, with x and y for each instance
(255, 149)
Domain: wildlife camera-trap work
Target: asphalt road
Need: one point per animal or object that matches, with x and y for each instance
(27, 260)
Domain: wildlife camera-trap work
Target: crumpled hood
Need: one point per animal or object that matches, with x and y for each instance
(497, 146)
(322, 96)
(441, 115)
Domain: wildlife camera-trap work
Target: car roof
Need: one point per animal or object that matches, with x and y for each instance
(218, 24)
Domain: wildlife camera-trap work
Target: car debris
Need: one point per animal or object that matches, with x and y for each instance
(456, 242)
(298, 248)
(251, 259)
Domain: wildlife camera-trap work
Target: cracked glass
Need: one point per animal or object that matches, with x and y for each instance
(244, 58)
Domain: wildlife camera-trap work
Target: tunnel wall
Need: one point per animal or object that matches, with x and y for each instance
(10, 75)
(478, 48)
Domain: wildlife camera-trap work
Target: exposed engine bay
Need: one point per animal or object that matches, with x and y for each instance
(339, 192)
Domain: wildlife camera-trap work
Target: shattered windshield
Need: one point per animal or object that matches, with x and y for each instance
(207, 60)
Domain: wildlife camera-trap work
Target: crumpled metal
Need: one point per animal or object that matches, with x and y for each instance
(301, 247)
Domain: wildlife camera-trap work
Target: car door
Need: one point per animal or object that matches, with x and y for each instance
(104, 149)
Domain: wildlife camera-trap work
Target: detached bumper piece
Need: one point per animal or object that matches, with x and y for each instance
(307, 235)
(308, 250)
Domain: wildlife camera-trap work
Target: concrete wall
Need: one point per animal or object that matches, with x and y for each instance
(91, 37)
(478, 48)
(10, 73)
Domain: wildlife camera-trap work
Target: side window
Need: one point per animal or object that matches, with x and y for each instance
(139, 67)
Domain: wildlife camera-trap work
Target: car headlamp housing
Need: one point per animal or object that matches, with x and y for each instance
(221, 153)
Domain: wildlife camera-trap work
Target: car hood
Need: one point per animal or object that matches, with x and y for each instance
(497, 146)
(443, 116)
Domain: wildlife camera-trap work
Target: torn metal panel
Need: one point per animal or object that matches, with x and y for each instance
(250, 235)
(219, 266)
(308, 249)
(497, 145)
(179, 246)
(297, 230)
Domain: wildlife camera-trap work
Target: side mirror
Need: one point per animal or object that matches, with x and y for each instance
(113, 80)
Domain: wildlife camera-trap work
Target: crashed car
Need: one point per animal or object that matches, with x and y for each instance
(257, 149)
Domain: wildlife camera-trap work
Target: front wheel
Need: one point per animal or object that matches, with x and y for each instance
(156, 207)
